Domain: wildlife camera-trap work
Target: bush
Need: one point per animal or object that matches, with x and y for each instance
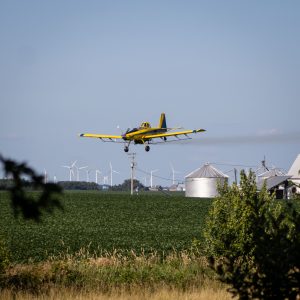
(253, 242)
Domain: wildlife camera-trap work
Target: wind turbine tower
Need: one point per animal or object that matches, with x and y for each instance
(111, 173)
(105, 179)
(173, 173)
(88, 171)
(151, 177)
(97, 172)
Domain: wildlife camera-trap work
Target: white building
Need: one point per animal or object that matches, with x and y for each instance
(203, 182)
(295, 172)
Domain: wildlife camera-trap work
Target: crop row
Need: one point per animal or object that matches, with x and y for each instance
(104, 222)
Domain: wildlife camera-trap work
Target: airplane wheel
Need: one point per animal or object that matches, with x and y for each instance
(147, 148)
(126, 149)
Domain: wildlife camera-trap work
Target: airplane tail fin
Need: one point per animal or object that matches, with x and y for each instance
(163, 122)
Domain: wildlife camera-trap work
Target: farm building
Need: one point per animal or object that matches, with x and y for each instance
(277, 184)
(179, 187)
(294, 172)
(202, 183)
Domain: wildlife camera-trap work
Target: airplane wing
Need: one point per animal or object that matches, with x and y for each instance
(104, 137)
(175, 133)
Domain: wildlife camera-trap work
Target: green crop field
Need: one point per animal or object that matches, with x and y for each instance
(104, 222)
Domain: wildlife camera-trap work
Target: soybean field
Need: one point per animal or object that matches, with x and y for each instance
(106, 221)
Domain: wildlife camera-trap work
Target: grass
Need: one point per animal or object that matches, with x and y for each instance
(211, 293)
(179, 275)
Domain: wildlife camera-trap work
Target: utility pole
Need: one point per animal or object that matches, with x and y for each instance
(235, 175)
(132, 165)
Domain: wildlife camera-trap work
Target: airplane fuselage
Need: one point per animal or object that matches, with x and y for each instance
(139, 135)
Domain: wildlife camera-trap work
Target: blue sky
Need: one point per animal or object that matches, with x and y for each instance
(231, 67)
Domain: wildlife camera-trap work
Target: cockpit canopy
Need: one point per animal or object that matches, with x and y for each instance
(145, 125)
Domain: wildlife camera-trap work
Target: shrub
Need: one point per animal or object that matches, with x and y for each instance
(253, 242)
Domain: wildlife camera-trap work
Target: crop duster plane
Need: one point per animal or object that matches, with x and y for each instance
(145, 134)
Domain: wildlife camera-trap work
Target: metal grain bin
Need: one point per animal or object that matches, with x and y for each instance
(202, 183)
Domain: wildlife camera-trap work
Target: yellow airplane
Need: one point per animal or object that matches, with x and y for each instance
(144, 134)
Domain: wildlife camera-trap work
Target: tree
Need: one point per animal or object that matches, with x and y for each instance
(126, 185)
(21, 201)
(78, 185)
(253, 242)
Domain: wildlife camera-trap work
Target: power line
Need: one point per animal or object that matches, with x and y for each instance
(159, 177)
(232, 165)
(213, 163)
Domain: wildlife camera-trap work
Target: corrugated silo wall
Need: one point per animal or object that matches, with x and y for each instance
(202, 187)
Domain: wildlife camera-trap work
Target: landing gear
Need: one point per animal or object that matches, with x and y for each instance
(147, 148)
(126, 147)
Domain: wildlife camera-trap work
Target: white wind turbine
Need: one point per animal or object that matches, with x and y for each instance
(151, 177)
(71, 167)
(88, 171)
(173, 173)
(105, 179)
(97, 172)
(111, 173)
(78, 169)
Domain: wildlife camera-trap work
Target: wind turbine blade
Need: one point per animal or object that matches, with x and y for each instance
(73, 164)
(172, 168)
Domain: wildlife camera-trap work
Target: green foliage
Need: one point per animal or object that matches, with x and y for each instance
(107, 221)
(229, 224)
(78, 185)
(126, 185)
(21, 200)
(253, 242)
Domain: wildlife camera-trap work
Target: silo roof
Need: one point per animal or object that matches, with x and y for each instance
(207, 171)
(271, 173)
